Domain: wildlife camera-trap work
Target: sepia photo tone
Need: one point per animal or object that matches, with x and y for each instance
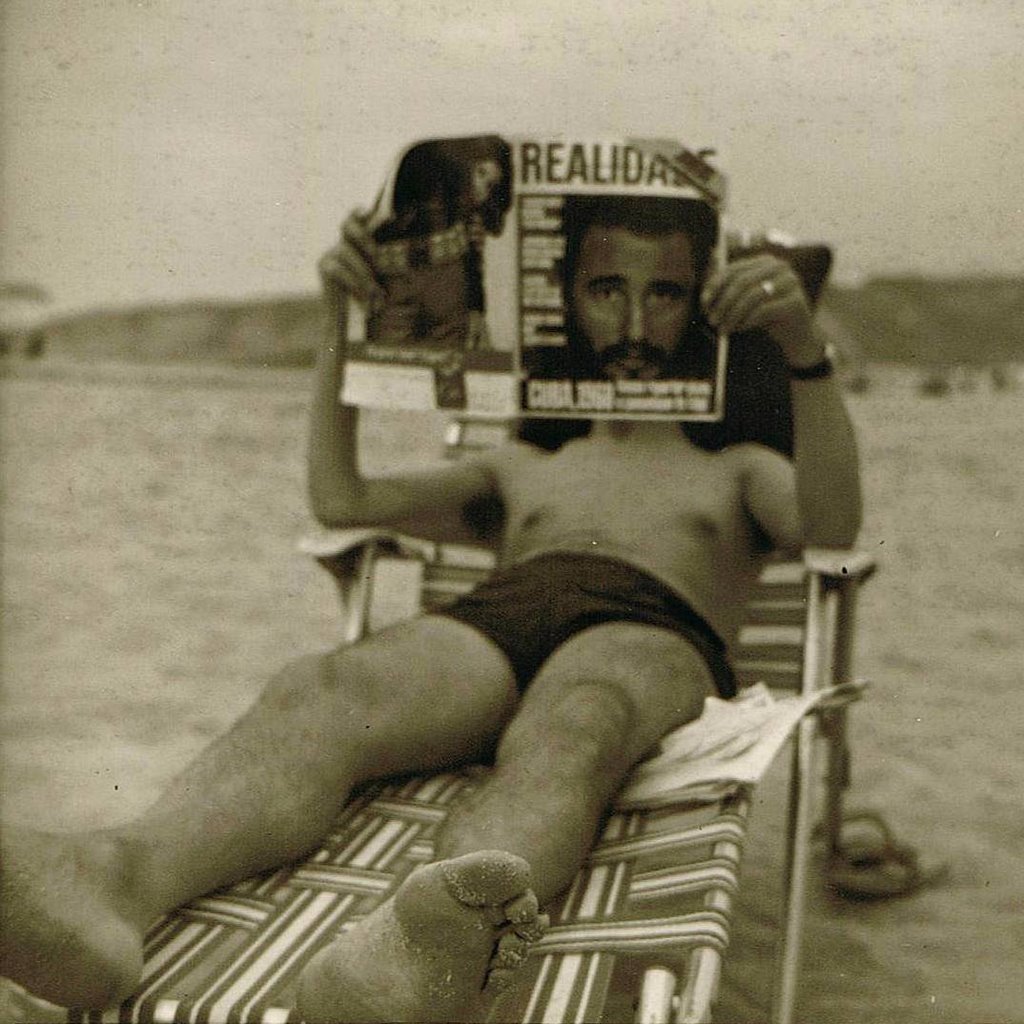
(171, 175)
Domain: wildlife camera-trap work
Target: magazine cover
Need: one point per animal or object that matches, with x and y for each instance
(542, 277)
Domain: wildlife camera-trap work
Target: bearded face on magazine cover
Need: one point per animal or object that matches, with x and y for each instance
(632, 272)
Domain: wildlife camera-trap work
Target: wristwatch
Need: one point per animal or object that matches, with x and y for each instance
(815, 371)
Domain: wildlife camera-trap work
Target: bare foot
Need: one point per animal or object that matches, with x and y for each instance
(449, 938)
(67, 930)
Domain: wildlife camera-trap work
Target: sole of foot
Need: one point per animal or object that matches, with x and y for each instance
(450, 938)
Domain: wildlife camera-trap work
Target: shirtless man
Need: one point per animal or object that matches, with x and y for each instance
(631, 550)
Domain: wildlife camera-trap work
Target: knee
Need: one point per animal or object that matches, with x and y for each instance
(300, 681)
(589, 725)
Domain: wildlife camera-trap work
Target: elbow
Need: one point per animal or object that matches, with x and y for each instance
(321, 513)
(837, 540)
(332, 519)
(326, 518)
(329, 513)
(839, 529)
(852, 519)
(832, 510)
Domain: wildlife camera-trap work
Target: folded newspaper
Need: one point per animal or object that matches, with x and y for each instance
(504, 281)
(733, 743)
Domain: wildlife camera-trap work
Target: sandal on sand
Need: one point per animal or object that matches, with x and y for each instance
(871, 865)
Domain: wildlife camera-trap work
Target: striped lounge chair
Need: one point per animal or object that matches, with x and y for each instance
(640, 934)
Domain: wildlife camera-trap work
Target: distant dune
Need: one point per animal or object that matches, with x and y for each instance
(279, 331)
(924, 322)
(933, 322)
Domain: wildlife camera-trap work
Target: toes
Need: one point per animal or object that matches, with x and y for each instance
(495, 915)
(498, 980)
(487, 877)
(511, 952)
(533, 930)
(523, 909)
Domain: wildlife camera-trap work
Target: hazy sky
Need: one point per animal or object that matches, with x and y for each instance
(159, 149)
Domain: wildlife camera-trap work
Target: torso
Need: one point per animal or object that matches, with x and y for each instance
(641, 493)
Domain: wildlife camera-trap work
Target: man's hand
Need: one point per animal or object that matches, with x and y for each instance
(763, 292)
(350, 263)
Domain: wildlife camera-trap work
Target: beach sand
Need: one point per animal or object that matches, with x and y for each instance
(151, 580)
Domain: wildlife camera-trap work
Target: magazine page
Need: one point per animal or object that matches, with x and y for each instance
(733, 743)
(543, 277)
(425, 343)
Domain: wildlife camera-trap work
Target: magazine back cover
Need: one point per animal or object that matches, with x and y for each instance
(542, 277)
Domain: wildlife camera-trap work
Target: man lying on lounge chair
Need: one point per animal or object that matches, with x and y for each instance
(607, 624)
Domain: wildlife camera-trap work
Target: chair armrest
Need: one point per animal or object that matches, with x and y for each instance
(834, 577)
(383, 576)
(326, 545)
(840, 563)
(354, 558)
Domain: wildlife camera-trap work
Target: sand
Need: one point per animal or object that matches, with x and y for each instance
(150, 580)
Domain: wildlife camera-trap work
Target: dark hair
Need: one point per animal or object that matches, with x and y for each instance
(651, 216)
(433, 190)
(644, 215)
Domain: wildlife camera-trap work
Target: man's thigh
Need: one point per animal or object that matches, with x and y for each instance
(661, 675)
(424, 694)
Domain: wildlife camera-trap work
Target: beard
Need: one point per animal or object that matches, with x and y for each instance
(633, 360)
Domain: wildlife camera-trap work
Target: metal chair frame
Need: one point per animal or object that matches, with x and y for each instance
(236, 955)
(832, 580)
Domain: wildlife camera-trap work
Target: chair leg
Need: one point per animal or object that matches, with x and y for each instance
(701, 991)
(837, 776)
(657, 996)
(801, 825)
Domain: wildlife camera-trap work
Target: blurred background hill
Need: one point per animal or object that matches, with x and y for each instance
(270, 332)
(933, 324)
(933, 321)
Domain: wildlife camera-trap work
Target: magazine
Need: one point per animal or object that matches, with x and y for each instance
(732, 744)
(542, 277)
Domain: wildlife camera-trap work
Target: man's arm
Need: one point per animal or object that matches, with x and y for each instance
(828, 485)
(763, 292)
(432, 503)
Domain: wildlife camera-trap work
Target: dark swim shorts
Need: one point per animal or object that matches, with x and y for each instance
(531, 608)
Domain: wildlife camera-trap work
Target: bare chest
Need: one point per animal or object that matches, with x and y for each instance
(618, 488)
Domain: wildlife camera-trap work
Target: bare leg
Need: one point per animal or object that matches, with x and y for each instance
(598, 705)
(596, 708)
(429, 694)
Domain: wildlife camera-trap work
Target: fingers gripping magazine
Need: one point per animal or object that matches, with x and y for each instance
(542, 277)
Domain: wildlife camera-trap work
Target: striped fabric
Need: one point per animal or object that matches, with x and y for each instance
(658, 886)
(655, 885)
